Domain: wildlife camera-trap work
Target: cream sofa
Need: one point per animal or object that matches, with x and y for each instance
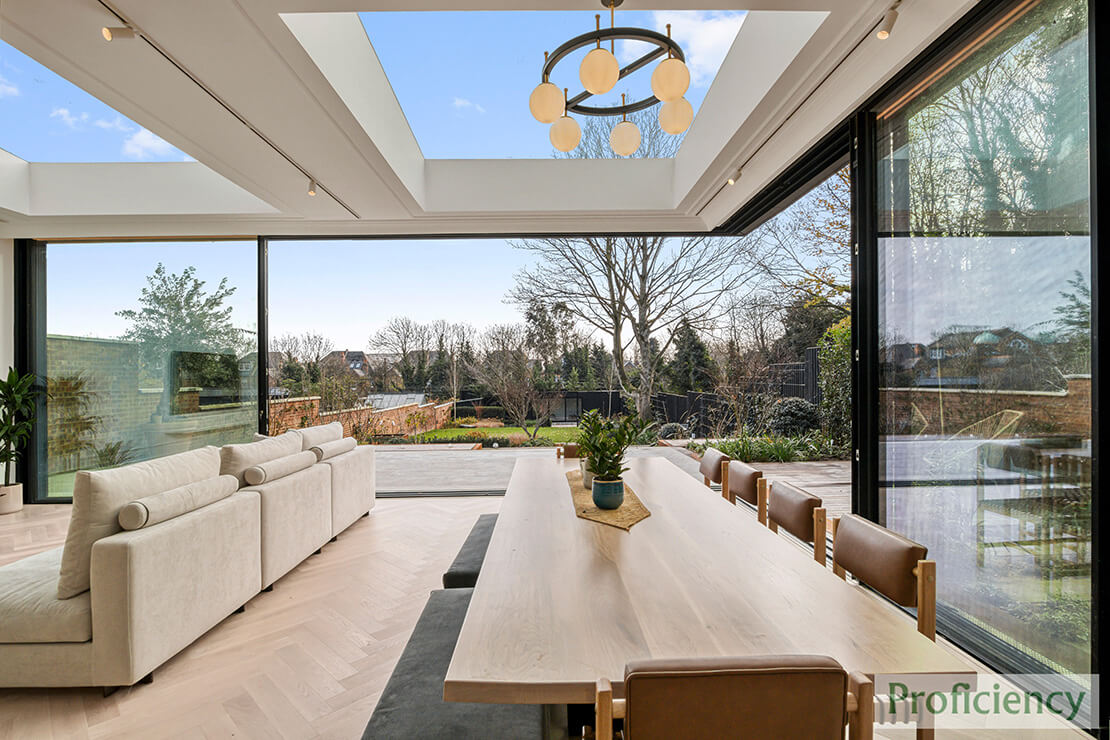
(133, 599)
(352, 472)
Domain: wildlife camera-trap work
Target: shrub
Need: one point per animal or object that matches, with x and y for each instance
(672, 430)
(835, 381)
(793, 417)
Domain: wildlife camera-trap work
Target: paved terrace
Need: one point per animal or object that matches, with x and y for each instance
(443, 468)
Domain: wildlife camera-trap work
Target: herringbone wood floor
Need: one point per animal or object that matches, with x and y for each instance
(307, 660)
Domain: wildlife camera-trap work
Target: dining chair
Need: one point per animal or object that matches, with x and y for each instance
(768, 696)
(714, 469)
(743, 481)
(799, 512)
(889, 563)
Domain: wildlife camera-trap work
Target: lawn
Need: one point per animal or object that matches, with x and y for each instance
(558, 435)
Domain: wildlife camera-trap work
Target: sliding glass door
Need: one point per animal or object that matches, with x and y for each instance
(984, 311)
(149, 349)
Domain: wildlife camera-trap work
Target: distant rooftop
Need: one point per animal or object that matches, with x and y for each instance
(393, 400)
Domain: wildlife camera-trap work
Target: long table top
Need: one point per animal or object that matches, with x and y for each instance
(563, 601)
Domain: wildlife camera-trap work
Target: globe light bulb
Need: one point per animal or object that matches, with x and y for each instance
(675, 116)
(565, 134)
(599, 71)
(546, 103)
(625, 138)
(670, 80)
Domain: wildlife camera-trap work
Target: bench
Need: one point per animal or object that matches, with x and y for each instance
(412, 705)
(463, 573)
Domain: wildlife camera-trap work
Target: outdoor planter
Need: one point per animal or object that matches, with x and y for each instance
(608, 494)
(11, 498)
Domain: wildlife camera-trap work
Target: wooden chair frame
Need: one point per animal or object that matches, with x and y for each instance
(725, 493)
(925, 573)
(860, 703)
(820, 520)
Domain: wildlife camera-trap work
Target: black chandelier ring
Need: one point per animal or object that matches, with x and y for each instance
(664, 46)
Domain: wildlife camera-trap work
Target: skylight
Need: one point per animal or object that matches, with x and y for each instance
(463, 78)
(45, 118)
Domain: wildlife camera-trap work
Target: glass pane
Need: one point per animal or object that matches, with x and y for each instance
(984, 314)
(156, 355)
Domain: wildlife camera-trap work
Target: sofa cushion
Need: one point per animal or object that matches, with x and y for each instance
(312, 436)
(99, 495)
(412, 703)
(256, 475)
(151, 510)
(463, 572)
(30, 610)
(235, 459)
(337, 447)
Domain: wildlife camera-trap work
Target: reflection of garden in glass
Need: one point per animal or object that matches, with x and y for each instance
(164, 362)
(985, 343)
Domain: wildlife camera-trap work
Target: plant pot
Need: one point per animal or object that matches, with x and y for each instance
(608, 494)
(587, 474)
(11, 498)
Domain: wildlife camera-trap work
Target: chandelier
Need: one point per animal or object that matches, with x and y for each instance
(600, 72)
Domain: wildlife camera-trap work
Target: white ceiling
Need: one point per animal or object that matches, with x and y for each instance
(261, 91)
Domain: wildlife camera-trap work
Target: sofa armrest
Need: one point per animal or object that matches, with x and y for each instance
(156, 590)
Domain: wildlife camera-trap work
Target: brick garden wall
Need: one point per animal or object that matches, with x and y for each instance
(361, 423)
(1065, 412)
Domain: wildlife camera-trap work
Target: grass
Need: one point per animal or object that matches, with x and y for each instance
(559, 435)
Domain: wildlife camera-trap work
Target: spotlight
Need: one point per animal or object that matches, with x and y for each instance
(312, 187)
(736, 176)
(889, 20)
(111, 33)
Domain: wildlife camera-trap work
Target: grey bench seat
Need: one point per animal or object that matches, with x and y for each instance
(412, 704)
(463, 573)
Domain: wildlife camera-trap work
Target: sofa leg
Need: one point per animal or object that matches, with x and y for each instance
(318, 551)
(268, 589)
(240, 610)
(109, 690)
(148, 678)
(366, 514)
(333, 539)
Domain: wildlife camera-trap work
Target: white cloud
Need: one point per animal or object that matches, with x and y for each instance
(69, 119)
(464, 103)
(7, 89)
(143, 145)
(118, 124)
(705, 37)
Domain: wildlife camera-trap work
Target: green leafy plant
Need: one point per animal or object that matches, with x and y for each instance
(590, 428)
(114, 454)
(794, 416)
(17, 409)
(70, 422)
(607, 455)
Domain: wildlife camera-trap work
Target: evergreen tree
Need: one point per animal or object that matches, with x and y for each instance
(691, 369)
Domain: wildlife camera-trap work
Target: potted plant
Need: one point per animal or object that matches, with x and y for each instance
(17, 408)
(607, 460)
(589, 429)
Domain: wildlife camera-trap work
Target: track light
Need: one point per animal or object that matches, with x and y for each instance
(312, 187)
(111, 33)
(889, 20)
(735, 176)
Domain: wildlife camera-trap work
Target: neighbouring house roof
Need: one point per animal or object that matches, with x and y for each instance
(392, 400)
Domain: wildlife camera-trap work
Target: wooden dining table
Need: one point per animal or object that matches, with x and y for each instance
(563, 601)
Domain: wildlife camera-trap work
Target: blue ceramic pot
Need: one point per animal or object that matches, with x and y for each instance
(608, 494)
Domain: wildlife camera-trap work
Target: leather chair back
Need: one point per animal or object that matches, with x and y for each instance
(743, 480)
(711, 464)
(774, 696)
(882, 559)
(792, 509)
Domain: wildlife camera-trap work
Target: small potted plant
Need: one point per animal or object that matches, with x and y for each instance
(17, 408)
(607, 461)
(589, 429)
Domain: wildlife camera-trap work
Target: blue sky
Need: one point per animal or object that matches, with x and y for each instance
(45, 118)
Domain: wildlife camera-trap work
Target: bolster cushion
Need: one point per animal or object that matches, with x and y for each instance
(792, 509)
(711, 464)
(312, 436)
(878, 557)
(324, 450)
(256, 475)
(99, 495)
(151, 510)
(235, 459)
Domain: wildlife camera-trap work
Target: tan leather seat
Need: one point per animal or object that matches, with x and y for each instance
(889, 563)
(714, 469)
(751, 696)
(792, 509)
(743, 481)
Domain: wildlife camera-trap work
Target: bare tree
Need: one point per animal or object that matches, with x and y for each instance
(458, 342)
(288, 346)
(314, 347)
(635, 289)
(502, 365)
(412, 343)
